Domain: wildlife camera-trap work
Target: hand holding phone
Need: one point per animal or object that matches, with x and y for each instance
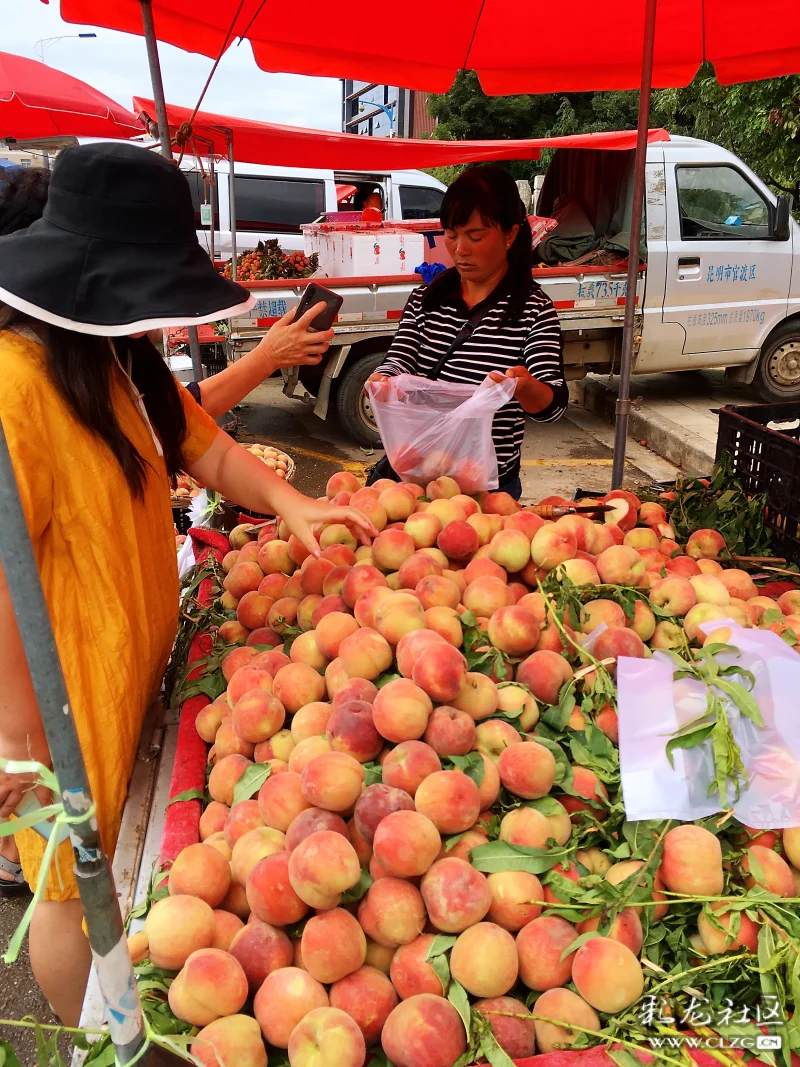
(316, 294)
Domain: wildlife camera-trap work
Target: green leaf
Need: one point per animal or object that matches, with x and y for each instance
(102, 1054)
(187, 794)
(8, 1057)
(251, 781)
(472, 765)
(501, 856)
(688, 740)
(442, 970)
(388, 676)
(373, 773)
(546, 805)
(441, 943)
(495, 1055)
(376, 1057)
(457, 996)
(359, 890)
(576, 944)
(451, 842)
(743, 700)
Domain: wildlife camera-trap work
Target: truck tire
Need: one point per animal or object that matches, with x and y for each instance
(778, 373)
(352, 404)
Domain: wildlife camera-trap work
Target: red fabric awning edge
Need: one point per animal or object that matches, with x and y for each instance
(292, 146)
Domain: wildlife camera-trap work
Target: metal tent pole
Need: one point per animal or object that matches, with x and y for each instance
(213, 183)
(232, 202)
(194, 352)
(623, 398)
(92, 869)
(166, 144)
(156, 80)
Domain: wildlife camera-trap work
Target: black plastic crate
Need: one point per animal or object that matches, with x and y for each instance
(214, 358)
(762, 442)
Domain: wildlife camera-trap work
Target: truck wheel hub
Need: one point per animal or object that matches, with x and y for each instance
(366, 411)
(784, 364)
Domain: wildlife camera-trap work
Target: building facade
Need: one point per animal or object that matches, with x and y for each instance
(384, 110)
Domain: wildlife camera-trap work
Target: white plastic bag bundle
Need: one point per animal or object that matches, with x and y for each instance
(200, 511)
(434, 428)
(652, 707)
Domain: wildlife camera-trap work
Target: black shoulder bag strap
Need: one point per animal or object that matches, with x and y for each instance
(463, 335)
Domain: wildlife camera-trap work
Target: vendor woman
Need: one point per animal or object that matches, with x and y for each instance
(515, 331)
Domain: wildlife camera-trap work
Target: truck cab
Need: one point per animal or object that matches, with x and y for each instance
(723, 284)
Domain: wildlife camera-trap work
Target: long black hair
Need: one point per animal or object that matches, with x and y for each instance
(23, 194)
(493, 193)
(82, 367)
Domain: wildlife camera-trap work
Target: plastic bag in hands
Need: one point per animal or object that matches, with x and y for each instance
(434, 428)
(652, 707)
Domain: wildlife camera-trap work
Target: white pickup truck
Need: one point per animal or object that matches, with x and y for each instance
(720, 286)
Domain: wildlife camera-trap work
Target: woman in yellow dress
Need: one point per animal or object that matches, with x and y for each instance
(96, 425)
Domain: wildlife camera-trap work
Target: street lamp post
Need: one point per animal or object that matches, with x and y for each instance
(44, 43)
(388, 111)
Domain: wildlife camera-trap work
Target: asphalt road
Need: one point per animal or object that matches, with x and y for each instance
(575, 452)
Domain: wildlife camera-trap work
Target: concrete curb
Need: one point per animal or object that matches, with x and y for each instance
(665, 437)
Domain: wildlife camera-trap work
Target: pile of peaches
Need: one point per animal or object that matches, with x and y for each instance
(347, 905)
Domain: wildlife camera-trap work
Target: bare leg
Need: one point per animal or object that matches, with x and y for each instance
(60, 957)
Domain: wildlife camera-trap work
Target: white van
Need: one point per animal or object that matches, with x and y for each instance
(274, 202)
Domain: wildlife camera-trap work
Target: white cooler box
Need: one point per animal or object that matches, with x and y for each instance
(349, 252)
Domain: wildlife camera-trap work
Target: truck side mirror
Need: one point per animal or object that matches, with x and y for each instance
(783, 209)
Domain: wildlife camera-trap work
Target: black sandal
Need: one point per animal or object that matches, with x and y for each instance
(16, 886)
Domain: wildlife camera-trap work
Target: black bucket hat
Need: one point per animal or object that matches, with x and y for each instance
(115, 251)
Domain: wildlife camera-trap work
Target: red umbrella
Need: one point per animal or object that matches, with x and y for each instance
(37, 101)
(512, 46)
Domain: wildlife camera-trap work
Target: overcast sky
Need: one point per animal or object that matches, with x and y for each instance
(116, 63)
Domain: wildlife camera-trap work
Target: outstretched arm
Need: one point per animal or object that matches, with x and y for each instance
(242, 477)
(286, 344)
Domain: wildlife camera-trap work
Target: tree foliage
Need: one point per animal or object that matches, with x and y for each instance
(759, 121)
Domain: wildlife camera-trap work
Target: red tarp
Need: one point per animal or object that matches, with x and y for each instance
(292, 146)
(513, 45)
(37, 101)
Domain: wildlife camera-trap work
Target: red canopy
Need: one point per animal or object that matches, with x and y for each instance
(513, 46)
(37, 101)
(292, 146)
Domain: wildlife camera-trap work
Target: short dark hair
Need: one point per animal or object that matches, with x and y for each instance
(493, 193)
(23, 195)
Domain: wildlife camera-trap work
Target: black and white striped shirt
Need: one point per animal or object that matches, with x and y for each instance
(532, 337)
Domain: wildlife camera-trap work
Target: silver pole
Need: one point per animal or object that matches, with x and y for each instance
(194, 352)
(213, 182)
(637, 202)
(155, 77)
(232, 203)
(166, 144)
